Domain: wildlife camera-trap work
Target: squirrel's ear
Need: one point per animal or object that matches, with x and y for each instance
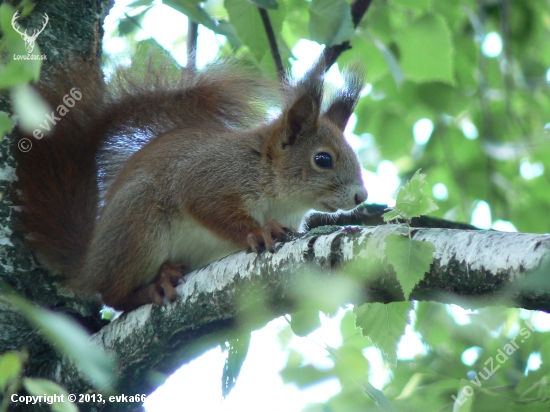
(300, 119)
(303, 105)
(339, 113)
(340, 110)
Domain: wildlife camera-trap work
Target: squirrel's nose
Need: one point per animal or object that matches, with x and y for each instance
(361, 196)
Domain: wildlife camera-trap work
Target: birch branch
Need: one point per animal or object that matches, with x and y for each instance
(471, 268)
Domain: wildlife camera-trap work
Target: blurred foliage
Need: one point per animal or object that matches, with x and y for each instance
(12, 381)
(480, 365)
(237, 350)
(490, 111)
(14, 72)
(66, 336)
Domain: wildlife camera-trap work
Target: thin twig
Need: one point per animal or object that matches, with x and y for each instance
(192, 34)
(133, 20)
(272, 43)
(487, 126)
(507, 53)
(330, 54)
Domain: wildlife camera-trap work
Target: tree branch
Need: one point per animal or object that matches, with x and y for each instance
(472, 268)
(272, 43)
(371, 215)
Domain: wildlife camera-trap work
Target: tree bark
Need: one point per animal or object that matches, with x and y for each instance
(245, 291)
(71, 31)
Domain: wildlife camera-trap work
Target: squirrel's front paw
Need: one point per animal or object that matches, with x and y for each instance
(266, 235)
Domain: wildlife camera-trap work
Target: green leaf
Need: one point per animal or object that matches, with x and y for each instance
(351, 334)
(295, 22)
(330, 22)
(10, 368)
(41, 387)
(131, 23)
(238, 348)
(245, 18)
(108, 313)
(410, 258)
(392, 63)
(378, 397)
(193, 10)
(19, 72)
(384, 324)
(463, 403)
(138, 3)
(388, 124)
(69, 338)
(6, 124)
(284, 336)
(299, 374)
(426, 50)
(15, 72)
(8, 32)
(421, 4)
(411, 200)
(30, 107)
(265, 4)
(351, 364)
(362, 45)
(305, 321)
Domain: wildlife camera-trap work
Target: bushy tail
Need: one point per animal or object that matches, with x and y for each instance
(57, 178)
(58, 185)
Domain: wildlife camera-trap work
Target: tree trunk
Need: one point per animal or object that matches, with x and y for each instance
(71, 31)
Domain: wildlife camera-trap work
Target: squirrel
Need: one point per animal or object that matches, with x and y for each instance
(213, 174)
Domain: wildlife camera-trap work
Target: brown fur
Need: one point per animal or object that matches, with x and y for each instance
(208, 180)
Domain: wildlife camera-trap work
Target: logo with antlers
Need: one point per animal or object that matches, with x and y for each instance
(29, 40)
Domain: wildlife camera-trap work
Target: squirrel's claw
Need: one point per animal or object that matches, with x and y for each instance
(267, 235)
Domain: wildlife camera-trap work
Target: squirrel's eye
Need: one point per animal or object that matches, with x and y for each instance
(323, 160)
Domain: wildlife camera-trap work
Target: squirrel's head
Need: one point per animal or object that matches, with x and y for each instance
(311, 158)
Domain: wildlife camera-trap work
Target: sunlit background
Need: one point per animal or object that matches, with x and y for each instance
(197, 386)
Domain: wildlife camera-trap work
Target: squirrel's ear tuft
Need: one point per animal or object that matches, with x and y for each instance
(343, 105)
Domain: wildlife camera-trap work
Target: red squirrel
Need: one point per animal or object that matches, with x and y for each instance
(211, 178)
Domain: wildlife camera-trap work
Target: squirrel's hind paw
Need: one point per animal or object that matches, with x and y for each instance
(170, 274)
(168, 277)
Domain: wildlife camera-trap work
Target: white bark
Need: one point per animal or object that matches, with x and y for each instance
(467, 265)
